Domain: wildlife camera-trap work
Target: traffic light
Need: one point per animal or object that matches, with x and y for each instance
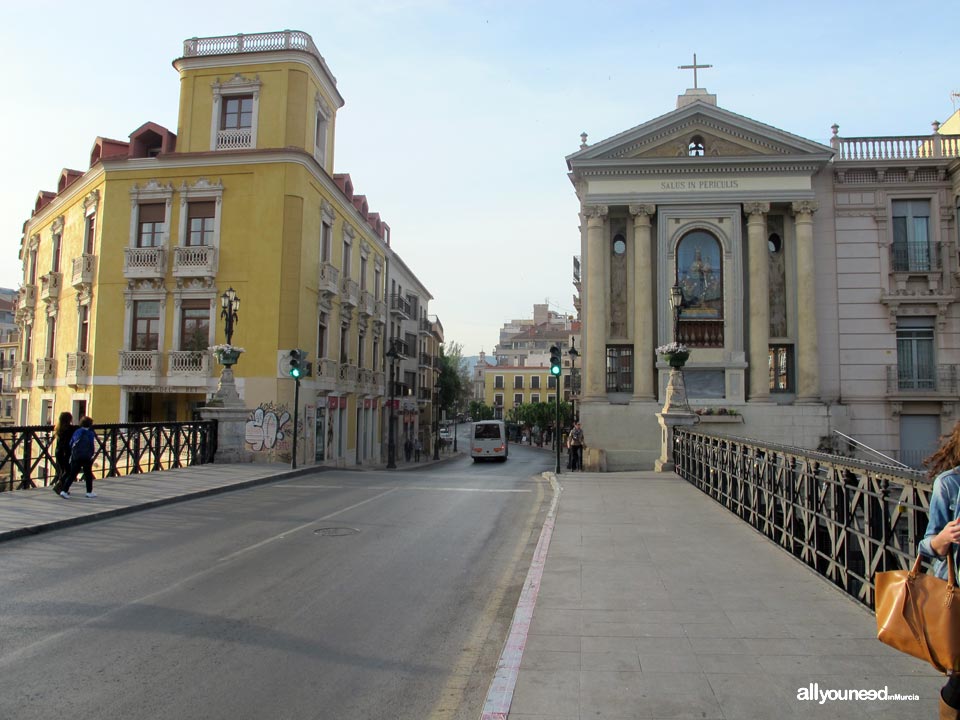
(555, 360)
(297, 364)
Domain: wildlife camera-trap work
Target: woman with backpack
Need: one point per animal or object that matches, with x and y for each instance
(63, 432)
(82, 450)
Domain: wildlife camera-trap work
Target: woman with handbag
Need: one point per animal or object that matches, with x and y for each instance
(942, 537)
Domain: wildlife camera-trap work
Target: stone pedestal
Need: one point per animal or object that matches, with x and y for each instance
(675, 398)
(228, 410)
(668, 421)
(231, 433)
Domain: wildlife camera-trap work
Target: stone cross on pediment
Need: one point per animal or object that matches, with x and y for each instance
(694, 67)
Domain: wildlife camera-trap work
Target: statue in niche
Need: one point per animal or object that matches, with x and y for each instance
(618, 288)
(777, 275)
(700, 276)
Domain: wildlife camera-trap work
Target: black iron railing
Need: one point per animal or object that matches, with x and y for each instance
(27, 453)
(845, 518)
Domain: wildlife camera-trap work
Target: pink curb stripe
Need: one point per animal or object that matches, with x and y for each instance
(500, 694)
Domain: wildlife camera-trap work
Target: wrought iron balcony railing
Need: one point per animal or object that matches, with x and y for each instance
(917, 257)
(928, 379)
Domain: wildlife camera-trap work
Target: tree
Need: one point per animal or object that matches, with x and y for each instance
(479, 410)
(454, 378)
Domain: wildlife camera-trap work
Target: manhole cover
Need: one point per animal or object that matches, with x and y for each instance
(336, 531)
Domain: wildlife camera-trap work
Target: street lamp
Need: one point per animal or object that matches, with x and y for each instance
(392, 356)
(230, 304)
(574, 354)
(676, 302)
(436, 423)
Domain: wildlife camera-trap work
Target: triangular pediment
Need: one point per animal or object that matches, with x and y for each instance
(723, 134)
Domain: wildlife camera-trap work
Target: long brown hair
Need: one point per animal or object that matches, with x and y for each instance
(64, 421)
(947, 455)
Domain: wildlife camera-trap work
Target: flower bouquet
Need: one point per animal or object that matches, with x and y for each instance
(676, 354)
(227, 354)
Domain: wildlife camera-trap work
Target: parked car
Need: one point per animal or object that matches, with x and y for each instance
(445, 434)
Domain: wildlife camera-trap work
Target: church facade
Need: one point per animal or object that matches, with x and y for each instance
(818, 284)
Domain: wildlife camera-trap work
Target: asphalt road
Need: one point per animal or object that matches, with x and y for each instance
(334, 595)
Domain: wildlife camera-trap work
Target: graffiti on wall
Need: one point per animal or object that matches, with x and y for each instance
(267, 429)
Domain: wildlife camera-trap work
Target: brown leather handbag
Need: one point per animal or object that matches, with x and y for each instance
(919, 614)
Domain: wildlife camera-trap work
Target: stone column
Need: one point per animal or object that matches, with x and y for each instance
(595, 350)
(758, 301)
(808, 355)
(643, 346)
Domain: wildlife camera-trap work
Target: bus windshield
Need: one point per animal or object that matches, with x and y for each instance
(487, 432)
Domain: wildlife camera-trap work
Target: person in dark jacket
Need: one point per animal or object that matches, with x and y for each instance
(62, 432)
(82, 451)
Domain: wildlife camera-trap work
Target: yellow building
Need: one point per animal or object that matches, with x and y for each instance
(125, 264)
(508, 386)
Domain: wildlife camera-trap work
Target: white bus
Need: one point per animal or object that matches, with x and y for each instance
(488, 440)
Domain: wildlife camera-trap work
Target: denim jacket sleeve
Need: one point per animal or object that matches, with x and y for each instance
(943, 507)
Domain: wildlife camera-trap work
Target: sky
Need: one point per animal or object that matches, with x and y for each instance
(459, 115)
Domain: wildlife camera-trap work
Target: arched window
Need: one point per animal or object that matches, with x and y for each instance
(700, 277)
(695, 148)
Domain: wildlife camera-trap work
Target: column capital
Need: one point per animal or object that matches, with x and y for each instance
(595, 212)
(643, 213)
(756, 208)
(804, 207)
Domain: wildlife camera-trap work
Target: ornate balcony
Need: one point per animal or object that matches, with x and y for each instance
(367, 305)
(239, 139)
(329, 282)
(46, 371)
(139, 367)
(23, 373)
(189, 367)
(326, 374)
(50, 285)
(347, 376)
(379, 382)
(365, 380)
(148, 262)
(380, 312)
(252, 43)
(79, 368)
(349, 292)
(195, 261)
(82, 272)
(27, 297)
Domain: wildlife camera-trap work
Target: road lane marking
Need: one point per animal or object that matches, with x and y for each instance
(282, 535)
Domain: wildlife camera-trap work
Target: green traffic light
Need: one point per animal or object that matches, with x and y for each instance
(554, 369)
(294, 372)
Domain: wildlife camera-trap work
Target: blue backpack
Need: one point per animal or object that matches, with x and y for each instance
(82, 445)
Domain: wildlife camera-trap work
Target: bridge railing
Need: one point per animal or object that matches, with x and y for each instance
(27, 453)
(846, 519)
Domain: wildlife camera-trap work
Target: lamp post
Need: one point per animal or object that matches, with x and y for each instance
(230, 307)
(676, 302)
(436, 422)
(456, 426)
(574, 354)
(392, 356)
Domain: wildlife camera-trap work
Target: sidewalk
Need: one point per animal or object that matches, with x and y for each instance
(656, 602)
(28, 512)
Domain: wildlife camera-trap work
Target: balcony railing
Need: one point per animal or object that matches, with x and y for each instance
(82, 271)
(189, 365)
(929, 379)
(195, 261)
(329, 280)
(425, 326)
(903, 147)
(846, 519)
(365, 379)
(147, 262)
(349, 292)
(237, 139)
(918, 257)
(24, 373)
(348, 373)
(46, 371)
(700, 333)
(50, 285)
(27, 296)
(367, 306)
(426, 360)
(139, 367)
(255, 42)
(79, 368)
(400, 306)
(380, 312)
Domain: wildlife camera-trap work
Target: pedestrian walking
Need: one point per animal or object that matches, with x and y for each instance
(943, 536)
(408, 448)
(62, 432)
(575, 442)
(418, 448)
(82, 450)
